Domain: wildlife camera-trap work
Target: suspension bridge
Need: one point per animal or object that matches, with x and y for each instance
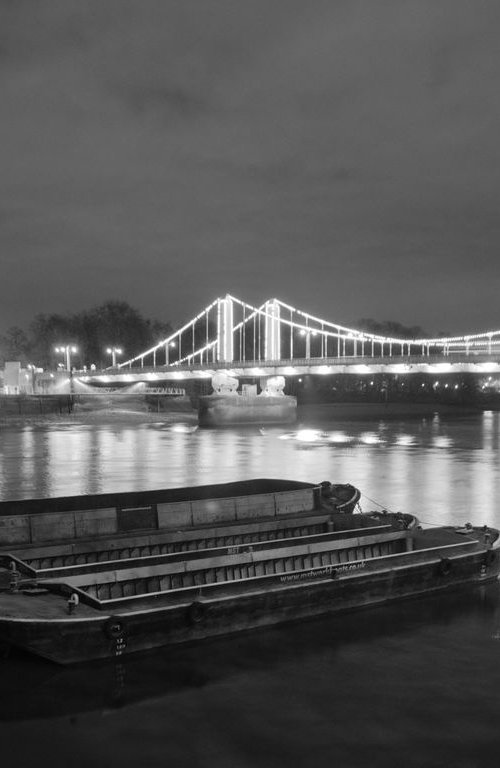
(278, 339)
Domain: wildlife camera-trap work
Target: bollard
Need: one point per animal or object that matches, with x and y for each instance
(73, 602)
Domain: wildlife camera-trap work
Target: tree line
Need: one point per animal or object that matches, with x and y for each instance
(117, 324)
(391, 329)
(92, 332)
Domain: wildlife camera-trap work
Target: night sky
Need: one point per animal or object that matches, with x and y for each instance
(342, 156)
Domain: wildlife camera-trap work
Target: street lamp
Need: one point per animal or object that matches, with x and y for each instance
(67, 350)
(114, 351)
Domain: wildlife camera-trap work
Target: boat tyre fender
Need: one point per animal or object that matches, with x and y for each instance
(490, 557)
(445, 566)
(196, 613)
(115, 628)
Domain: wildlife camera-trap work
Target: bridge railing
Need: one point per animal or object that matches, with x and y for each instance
(287, 366)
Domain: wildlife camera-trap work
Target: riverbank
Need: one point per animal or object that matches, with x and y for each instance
(74, 409)
(318, 412)
(118, 416)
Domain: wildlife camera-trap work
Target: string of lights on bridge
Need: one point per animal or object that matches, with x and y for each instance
(276, 331)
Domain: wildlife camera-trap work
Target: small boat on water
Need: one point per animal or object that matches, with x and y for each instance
(95, 577)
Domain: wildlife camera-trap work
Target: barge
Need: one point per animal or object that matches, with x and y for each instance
(85, 578)
(223, 410)
(227, 406)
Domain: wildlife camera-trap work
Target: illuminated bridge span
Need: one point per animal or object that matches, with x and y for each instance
(276, 338)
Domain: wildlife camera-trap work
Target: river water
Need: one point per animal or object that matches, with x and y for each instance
(415, 683)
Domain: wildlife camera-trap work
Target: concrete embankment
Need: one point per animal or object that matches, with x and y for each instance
(14, 406)
(33, 409)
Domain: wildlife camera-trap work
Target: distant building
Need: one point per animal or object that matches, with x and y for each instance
(15, 380)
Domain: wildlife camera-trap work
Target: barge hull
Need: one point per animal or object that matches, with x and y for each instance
(220, 410)
(73, 640)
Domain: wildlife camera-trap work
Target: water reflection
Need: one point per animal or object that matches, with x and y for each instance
(418, 679)
(45, 690)
(441, 470)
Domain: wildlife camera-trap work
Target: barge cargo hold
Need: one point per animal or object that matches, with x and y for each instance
(97, 577)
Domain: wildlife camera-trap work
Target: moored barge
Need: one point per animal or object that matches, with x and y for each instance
(97, 577)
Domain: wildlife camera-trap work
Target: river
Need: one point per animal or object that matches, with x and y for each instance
(415, 683)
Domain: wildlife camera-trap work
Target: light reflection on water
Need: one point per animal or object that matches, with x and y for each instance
(416, 682)
(440, 470)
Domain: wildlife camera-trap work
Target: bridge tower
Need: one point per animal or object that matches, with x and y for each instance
(225, 351)
(272, 335)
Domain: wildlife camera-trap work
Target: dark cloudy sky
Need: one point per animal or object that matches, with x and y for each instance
(343, 156)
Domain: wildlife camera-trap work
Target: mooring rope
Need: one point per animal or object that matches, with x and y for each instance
(382, 506)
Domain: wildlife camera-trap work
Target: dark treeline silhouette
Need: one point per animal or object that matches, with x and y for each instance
(112, 324)
(391, 328)
(117, 324)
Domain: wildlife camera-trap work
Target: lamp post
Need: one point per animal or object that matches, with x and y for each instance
(114, 351)
(67, 350)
